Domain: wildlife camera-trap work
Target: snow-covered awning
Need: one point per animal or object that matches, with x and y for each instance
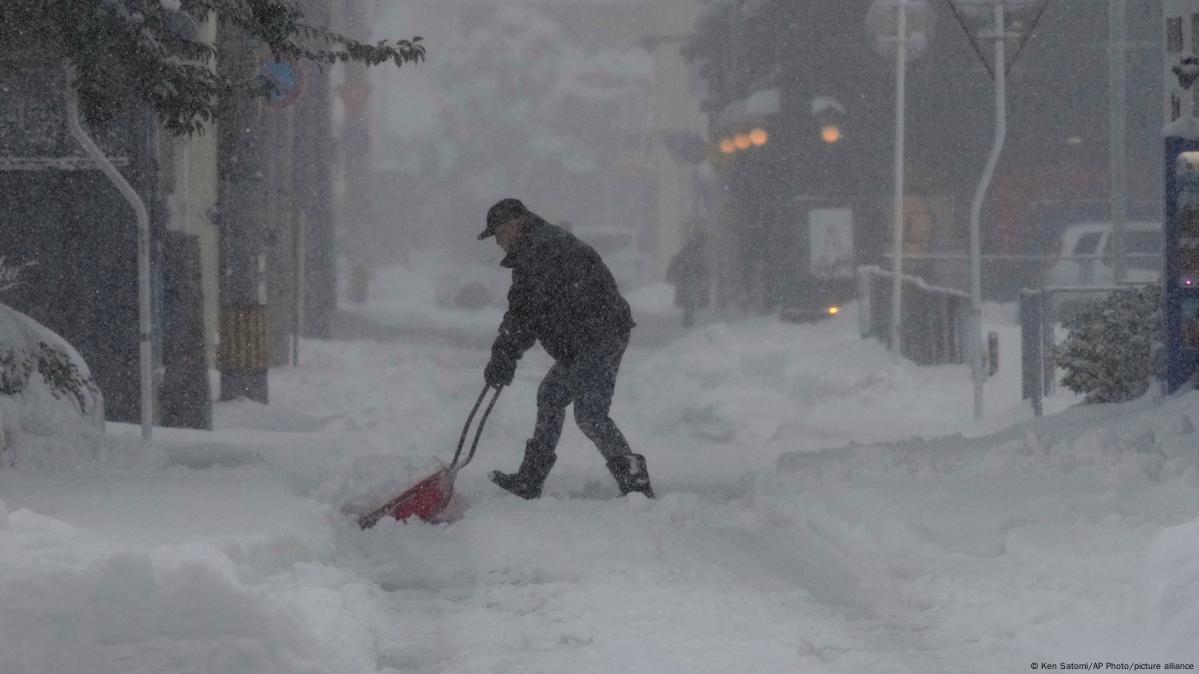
(753, 108)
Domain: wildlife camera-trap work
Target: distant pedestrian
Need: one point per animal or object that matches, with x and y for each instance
(690, 272)
(564, 296)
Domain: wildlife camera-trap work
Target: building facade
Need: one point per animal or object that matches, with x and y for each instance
(1054, 169)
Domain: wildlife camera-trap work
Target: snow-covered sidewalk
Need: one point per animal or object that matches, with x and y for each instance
(821, 509)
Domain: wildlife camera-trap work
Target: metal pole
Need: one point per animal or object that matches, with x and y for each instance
(296, 213)
(242, 163)
(901, 57)
(1117, 16)
(976, 365)
(301, 277)
(274, 299)
(1048, 319)
(143, 252)
(355, 93)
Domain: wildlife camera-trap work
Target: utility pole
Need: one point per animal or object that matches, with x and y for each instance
(356, 160)
(909, 32)
(314, 196)
(282, 232)
(901, 71)
(1117, 32)
(241, 217)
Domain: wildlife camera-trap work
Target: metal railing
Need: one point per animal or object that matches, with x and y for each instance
(1005, 276)
(935, 320)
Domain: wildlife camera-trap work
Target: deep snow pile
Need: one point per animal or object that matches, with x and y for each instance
(201, 554)
(822, 508)
(1171, 580)
(1052, 537)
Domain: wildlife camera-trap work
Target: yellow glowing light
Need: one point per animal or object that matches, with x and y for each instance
(758, 137)
(833, 311)
(727, 146)
(830, 133)
(742, 141)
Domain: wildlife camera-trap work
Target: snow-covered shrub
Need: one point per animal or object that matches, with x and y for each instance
(45, 386)
(56, 368)
(1111, 353)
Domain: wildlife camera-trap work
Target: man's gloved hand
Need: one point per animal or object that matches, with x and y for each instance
(499, 372)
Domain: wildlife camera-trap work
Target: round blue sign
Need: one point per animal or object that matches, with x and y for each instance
(286, 78)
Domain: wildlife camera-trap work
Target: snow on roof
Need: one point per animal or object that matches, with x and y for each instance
(822, 104)
(763, 102)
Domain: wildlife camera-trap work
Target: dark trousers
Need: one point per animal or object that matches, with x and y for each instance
(589, 382)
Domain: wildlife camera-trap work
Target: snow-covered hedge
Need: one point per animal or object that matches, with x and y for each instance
(44, 383)
(1112, 353)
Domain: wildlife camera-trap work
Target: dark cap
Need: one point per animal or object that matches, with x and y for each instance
(503, 211)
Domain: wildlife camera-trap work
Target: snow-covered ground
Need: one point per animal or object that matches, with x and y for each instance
(821, 508)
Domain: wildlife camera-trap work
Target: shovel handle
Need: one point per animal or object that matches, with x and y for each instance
(479, 432)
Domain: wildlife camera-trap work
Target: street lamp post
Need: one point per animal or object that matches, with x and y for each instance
(908, 44)
(999, 34)
(976, 314)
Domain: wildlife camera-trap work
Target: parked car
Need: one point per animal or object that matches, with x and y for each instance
(619, 249)
(471, 283)
(1086, 256)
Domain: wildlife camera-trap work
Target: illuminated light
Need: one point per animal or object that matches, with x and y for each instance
(1074, 140)
(830, 133)
(727, 146)
(833, 311)
(1188, 281)
(742, 141)
(759, 137)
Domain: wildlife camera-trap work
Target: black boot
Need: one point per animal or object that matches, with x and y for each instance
(631, 475)
(526, 482)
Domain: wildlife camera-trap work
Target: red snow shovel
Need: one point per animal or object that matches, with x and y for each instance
(427, 498)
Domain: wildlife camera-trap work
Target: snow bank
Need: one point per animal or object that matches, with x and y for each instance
(794, 387)
(1145, 440)
(1171, 580)
(957, 534)
(72, 603)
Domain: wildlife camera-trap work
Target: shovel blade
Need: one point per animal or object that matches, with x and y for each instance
(425, 500)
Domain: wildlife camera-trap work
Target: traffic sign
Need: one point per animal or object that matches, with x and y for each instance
(286, 79)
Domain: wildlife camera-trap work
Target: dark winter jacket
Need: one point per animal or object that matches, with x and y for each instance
(689, 272)
(562, 294)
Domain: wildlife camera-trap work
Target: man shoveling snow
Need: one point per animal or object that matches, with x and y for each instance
(563, 295)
